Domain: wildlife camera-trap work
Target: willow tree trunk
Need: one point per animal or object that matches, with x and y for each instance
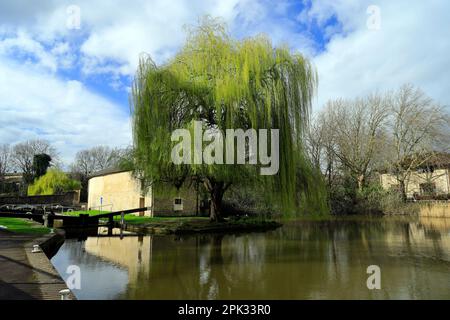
(216, 201)
(216, 190)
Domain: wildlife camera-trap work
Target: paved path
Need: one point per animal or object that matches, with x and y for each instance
(26, 275)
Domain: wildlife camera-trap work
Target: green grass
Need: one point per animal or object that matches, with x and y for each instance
(20, 225)
(132, 219)
(90, 212)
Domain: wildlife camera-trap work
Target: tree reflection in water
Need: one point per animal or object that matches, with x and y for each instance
(302, 260)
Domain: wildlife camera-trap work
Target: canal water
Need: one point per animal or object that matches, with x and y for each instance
(301, 260)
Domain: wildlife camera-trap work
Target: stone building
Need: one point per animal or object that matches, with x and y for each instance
(115, 190)
(420, 183)
(11, 184)
(430, 179)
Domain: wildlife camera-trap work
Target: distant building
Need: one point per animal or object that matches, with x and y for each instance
(13, 191)
(115, 190)
(11, 184)
(430, 179)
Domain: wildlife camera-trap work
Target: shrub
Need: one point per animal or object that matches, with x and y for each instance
(244, 200)
(432, 197)
(343, 196)
(373, 199)
(442, 197)
(53, 182)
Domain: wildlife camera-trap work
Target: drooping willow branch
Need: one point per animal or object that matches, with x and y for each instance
(226, 84)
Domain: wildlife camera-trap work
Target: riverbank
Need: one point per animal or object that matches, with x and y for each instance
(26, 275)
(326, 257)
(23, 226)
(196, 225)
(186, 225)
(435, 209)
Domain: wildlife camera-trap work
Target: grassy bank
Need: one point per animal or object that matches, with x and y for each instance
(19, 225)
(91, 213)
(178, 225)
(186, 225)
(132, 219)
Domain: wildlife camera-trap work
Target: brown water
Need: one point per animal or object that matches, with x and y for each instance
(301, 260)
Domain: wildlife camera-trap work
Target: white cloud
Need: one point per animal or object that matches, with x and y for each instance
(153, 27)
(322, 10)
(35, 44)
(121, 30)
(412, 46)
(23, 44)
(35, 104)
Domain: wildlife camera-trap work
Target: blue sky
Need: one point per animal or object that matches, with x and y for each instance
(69, 83)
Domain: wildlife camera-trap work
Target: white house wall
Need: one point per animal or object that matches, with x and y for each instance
(119, 191)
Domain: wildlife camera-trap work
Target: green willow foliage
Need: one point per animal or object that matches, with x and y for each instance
(227, 84)
(53, 182)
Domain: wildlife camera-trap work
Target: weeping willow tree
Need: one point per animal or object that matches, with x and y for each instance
(225, 83)
(53, 182)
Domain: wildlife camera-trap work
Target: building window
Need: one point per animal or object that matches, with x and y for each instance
(177, 204)
(426, 170)
(428, 188)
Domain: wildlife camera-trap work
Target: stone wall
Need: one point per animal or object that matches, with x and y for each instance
(121, 191)
(440, 178)
(435, 209)
(164, 201)
(118, 191)
(68, 199)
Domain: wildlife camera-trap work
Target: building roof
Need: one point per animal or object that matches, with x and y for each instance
(107, 171)
(13, 177)
(438, 160)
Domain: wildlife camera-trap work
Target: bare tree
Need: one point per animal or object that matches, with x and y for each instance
(95, 159)
(402, 131)
(357, 135)
(5, 160)
(419, 128)
(92, 160)
(320, 147)
(23, 154)
(314, 141)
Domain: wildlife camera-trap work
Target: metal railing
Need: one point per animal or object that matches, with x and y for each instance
(102, 207)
